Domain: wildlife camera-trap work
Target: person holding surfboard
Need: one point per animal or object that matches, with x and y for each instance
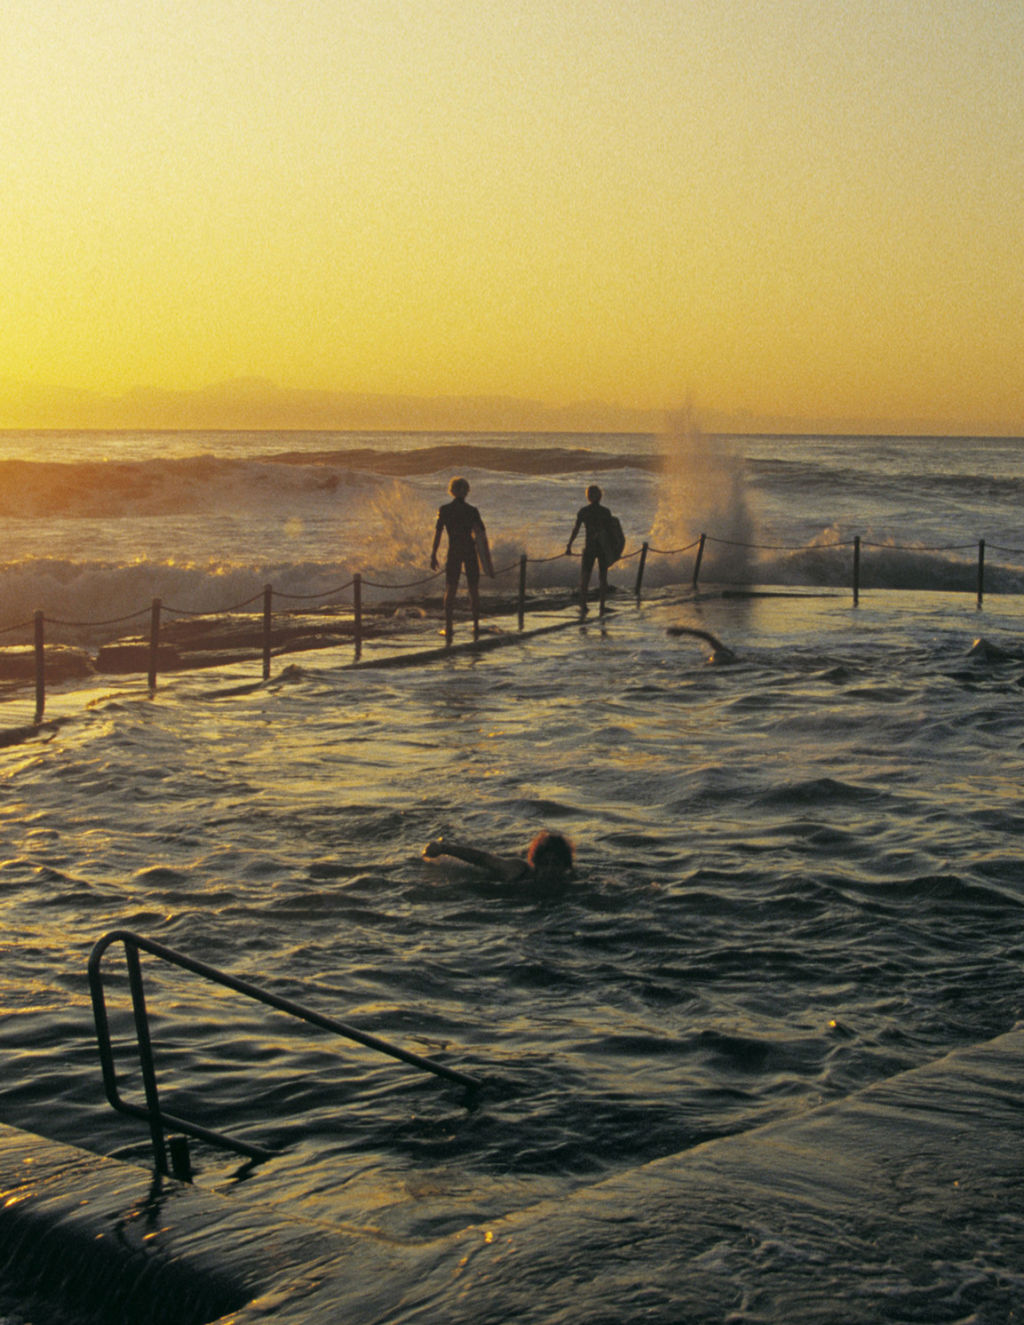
(467, 550)
(549, 859)
(603, 544)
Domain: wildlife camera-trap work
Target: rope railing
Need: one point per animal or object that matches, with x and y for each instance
(412, 584)
(505, 570)
(673, 552)
(97, 625)
(157, 609)
(784, 547)
(948, 547)
(307, 597)
(223, 611)
(18, 625)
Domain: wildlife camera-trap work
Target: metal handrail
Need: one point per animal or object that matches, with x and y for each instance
(158, 1118)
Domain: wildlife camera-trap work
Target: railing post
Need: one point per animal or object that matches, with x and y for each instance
(181, 1161)
(40, 668)
(522, 591)
(856, 569)
(156, 1129)
(640, 569)
(981, 570)
(357, 614)
(154, 641)
(700, 558)
(268, 597)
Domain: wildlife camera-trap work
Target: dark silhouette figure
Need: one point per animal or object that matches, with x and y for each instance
(549, 859)
(467, 547)
(597, 521)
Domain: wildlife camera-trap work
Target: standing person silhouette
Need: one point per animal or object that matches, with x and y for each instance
(467, 547)
(597, 521)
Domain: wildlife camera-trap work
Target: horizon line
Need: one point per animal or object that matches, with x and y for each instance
(233, 405)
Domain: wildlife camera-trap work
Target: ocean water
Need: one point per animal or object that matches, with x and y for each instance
(96, 525)
(798, 874)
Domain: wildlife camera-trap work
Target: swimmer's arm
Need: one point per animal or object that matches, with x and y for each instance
(437, 539)
(572, 536)
(503, 866)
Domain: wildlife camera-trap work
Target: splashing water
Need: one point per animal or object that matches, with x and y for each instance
(703, 489)
(404, 525)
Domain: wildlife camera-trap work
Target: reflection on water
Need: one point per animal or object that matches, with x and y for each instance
(798, 874)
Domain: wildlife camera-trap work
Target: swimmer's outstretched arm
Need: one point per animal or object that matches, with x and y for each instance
(503, 866)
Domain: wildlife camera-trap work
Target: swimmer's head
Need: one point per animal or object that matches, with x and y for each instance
(594, 493)
(550, 856)
(459, 487)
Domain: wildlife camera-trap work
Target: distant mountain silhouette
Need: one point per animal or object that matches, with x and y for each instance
(254, 403)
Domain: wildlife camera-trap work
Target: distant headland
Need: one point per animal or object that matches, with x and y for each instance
(244, 404)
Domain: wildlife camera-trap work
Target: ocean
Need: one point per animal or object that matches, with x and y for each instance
(96, 525)
(798, 874)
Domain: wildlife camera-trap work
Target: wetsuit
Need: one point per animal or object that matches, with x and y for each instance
(596, 520)
(458, 519)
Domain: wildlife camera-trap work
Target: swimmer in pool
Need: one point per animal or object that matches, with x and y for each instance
(549, 859)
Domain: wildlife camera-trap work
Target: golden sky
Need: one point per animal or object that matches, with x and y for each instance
(778, 210)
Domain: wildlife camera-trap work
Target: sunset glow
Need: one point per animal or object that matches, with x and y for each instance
(797, 214)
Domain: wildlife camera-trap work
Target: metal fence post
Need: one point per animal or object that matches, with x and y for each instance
(40, 668)
(154, 641)
(640, 569)
(357, 614)
(268, 595)
(700, 558)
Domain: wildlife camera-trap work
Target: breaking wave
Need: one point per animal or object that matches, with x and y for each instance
(119, 521)
(119, 489)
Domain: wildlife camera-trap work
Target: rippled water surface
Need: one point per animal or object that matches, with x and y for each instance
(797, 874)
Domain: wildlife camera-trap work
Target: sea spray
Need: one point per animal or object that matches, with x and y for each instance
(703, 489)
(204, 521)
(400, 524)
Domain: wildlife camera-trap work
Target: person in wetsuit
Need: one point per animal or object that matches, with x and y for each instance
(596, 520)
(463, 525)
(549, 859)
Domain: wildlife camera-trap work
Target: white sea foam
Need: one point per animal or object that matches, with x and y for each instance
(703, 490)
(96, 537)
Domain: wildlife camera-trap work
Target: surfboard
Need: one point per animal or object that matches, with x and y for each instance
(483, 549)
(612, 540)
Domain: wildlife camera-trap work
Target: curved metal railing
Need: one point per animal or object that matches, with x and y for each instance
(159, 1119)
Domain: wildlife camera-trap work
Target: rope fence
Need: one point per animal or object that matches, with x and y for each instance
(157, 609)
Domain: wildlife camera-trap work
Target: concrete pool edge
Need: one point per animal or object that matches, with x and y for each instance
(918, 1166)
(103, 1239)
